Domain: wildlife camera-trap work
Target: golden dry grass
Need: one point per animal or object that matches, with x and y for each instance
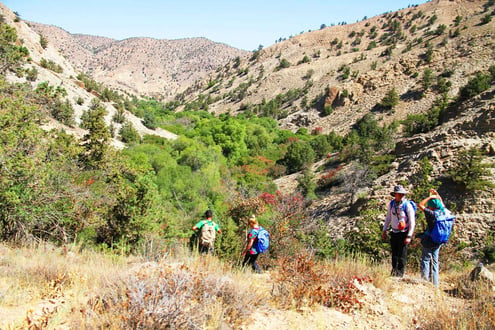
(44, 287)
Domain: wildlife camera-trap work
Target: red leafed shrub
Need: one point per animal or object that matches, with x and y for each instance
(303, 282)
(268, 198)
(317, 131)
(329, 178)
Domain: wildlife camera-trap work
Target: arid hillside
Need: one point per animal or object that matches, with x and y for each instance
(140, 66)
(327, 80)
(352, 67)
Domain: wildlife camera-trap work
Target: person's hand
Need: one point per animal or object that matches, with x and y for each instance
(384, 235)
(433, 192)
(407, 241)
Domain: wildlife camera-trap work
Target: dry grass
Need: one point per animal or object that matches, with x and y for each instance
(43, 287)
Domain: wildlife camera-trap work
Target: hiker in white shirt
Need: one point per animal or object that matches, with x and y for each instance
(401, 220)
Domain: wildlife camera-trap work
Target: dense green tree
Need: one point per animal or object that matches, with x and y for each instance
(96, 140)
(299, 155)
(12, 55)
(476, 85)
(128, 134)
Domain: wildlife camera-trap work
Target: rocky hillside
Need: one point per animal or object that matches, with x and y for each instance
(140, 66)
(352, 67)
(349, 69)
(66, 79)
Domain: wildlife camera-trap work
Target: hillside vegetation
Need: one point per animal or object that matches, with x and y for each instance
(309, 141)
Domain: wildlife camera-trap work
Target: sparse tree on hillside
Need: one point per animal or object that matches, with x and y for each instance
(96, 140)
(43, 41)
(471, 172)
(11, 54)
(390, 100)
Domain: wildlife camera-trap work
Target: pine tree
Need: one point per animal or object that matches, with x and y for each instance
(96, 140)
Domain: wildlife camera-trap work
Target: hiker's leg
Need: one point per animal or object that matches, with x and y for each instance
(399, 253)
(401, 267)
(246, 259)
(425, 263)
(254, 264)
(436, 265)
(395, 253)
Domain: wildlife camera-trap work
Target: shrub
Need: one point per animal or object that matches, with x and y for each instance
(390, 100)
(283, 64)
(486, 19)
(470, 172)
(32, 74)
(43, 41)
(303, 282)
(299, 155)
(128, 133)
(475, 86)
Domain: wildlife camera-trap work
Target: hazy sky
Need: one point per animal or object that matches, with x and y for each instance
(244, 24)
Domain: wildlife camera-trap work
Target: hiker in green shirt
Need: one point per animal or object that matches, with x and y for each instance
(207, 229)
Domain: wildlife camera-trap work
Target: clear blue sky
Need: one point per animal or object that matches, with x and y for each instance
(244, 24)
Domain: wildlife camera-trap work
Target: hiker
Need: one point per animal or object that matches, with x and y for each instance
(429, 249)
(250, 254)
(208, 229)
(401, 217)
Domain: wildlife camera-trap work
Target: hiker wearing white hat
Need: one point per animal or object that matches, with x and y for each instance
(401, 220)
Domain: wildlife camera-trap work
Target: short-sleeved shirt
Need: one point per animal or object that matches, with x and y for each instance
(252, 233)
(209, 223)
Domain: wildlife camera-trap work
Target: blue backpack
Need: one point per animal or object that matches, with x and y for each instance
(444, 222)
(263, 240)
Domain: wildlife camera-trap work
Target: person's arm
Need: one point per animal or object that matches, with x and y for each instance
(388, 219)
(248, 246)
(422, 204)
(411, 215)
(217, 228)
(198, 225)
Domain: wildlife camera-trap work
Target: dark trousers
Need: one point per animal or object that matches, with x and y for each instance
(251, 259)
(399, 253)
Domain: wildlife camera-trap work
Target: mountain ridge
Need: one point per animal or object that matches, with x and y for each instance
(165, 66)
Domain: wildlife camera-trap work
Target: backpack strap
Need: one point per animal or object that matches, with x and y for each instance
(405, 202)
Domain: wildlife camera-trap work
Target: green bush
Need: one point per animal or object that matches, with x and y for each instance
(128, 134)
(390, 100)
(470, 172)
(299, 155)
(475, 86)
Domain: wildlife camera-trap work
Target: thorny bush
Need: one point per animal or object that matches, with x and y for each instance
(178, 298)
(303, 282)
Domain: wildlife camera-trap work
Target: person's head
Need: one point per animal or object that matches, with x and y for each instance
(252, 221)
(208, 214)
(435, 204)
(399, 192)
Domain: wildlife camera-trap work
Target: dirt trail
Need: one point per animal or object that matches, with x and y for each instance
(394, 306)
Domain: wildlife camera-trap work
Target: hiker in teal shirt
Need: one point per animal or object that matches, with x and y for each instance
(430, 250)
(250, 254)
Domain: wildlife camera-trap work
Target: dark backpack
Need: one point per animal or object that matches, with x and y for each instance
(262, 240)
(442, 229)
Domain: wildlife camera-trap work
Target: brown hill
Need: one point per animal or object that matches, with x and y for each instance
(140, 66)
(361, 62)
